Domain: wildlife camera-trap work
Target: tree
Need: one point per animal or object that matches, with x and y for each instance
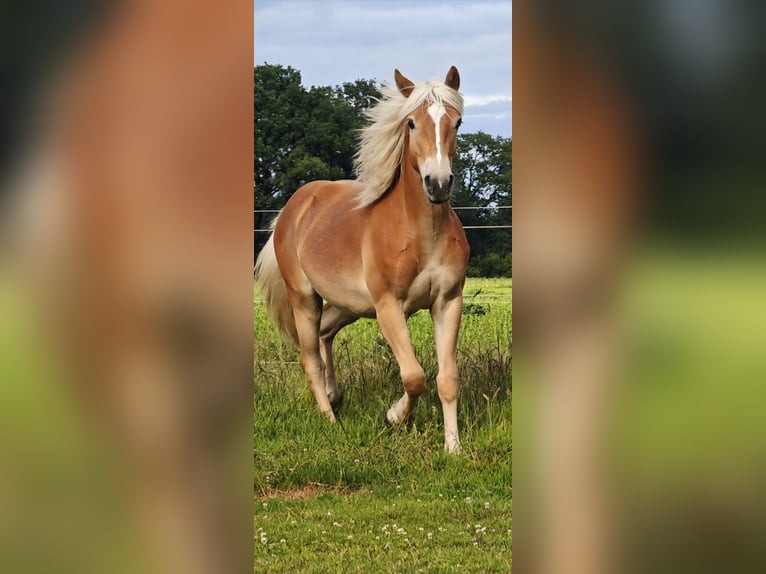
(279, 111)
(302, 134)
(483, 173)
(360, 94)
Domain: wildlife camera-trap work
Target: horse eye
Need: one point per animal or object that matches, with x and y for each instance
(459, 123)
(411, 123)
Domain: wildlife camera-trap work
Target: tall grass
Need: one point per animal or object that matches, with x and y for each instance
(361, 497)
(294, 445)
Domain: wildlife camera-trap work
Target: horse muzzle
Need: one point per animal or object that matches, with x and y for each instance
(438, 190)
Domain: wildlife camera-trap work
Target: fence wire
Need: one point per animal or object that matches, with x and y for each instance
(455, 208)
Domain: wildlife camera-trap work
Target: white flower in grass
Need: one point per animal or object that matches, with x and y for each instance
(350, 537)
(430, 535)
(467, 500)
(282, 540)
(336, 524)
(264, 540)
(486, 505)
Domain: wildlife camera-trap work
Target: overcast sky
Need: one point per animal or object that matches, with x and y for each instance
(336, 41)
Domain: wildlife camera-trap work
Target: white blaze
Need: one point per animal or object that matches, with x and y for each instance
(436, 110)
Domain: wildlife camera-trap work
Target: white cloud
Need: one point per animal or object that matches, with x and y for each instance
(498, 116)
(477, 101)
(336, 41)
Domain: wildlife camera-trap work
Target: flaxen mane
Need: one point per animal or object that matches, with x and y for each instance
(382, 142)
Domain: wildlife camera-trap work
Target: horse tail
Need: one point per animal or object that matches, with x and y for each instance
(274, 292)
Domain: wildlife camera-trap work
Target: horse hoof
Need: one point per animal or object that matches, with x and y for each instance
(336, 399)
(391, 423)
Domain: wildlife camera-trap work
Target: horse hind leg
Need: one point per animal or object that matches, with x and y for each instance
(333, 320)
(307, 310)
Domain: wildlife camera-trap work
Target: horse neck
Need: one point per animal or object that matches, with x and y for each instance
(430, 219)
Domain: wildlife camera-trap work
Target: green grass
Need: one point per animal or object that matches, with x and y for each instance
(338, 495)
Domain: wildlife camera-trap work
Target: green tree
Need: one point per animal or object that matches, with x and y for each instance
(483, 172)
(279, 112)
(302, 134)
(360, 94)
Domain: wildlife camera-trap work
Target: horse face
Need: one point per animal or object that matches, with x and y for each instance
(433, 140)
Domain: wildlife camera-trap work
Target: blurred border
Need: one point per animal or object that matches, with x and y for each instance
(126, 287)
(640, 284)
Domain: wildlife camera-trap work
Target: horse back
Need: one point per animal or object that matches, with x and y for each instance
(319, 240)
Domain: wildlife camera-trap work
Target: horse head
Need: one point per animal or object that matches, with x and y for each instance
(432, 137)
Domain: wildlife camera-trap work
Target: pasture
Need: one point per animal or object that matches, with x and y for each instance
(362, 497)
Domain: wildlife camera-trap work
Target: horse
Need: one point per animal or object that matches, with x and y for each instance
(382, 246)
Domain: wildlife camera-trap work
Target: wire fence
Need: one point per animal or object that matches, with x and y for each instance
(466, 208)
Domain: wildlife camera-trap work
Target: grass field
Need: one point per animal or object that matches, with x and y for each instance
(360, 497)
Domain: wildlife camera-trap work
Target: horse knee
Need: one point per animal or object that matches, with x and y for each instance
(414, 382)
(448, 388)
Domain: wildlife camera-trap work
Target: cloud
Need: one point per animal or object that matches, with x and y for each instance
(334, 41)
(497, 116)
(493, 117)
(477, 101)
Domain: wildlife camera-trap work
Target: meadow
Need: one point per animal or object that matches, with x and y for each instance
(362, 497)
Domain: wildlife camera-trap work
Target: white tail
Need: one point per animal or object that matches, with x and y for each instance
(274, 292)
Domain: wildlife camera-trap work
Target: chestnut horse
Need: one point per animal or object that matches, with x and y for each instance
(384, 246)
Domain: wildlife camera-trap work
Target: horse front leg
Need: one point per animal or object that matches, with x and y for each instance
(446, 315)
(393, 325)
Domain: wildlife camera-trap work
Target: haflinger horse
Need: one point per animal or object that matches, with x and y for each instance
(385, 245)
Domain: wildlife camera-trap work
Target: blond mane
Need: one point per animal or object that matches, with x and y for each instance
(381, 148)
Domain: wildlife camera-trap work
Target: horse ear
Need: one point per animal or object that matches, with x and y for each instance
(405, 86)
(453, 79)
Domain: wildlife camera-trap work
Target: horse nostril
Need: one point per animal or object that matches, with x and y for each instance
(451, 180)
(427, 180)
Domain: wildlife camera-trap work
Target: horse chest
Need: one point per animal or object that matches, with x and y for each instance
(426, 286)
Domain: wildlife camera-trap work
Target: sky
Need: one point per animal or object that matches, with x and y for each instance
(336, 41)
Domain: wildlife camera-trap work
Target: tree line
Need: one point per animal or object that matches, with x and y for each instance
(303, 134)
